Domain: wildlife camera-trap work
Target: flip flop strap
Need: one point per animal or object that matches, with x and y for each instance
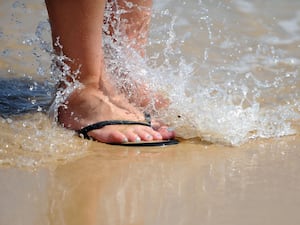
(84, 131)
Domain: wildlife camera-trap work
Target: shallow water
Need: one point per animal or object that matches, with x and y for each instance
(231, 71)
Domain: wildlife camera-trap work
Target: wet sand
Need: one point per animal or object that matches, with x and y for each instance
(190, 183)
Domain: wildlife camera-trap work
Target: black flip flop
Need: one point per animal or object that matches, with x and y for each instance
(84, 133)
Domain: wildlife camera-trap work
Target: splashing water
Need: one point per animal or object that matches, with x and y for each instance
(32, 140)
(230, 70)
(226, 84)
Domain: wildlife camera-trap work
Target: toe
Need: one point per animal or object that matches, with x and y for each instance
(132, 136)
(144, 135)
(109, 136)
(149, 134)
(166, 132)
(115, 134)
(116, 137)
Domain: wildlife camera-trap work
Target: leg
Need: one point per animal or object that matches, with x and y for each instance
(134, 21)
(79, 26)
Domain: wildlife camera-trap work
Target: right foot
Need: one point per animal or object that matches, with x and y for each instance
(89, 105)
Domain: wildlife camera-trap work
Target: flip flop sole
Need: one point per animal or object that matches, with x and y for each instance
(148, 143)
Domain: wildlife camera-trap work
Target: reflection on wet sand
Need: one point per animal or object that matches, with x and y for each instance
(24, 196)
(192, 183)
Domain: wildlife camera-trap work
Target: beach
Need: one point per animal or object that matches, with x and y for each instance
(190, 183)
(230, 70)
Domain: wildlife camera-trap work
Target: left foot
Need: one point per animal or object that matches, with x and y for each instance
(90, 105)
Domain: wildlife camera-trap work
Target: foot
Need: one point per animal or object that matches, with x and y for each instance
(90, 104)
(137, 94)
(156, 99)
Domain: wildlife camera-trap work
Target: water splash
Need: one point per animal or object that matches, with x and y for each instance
(226, 91)
(65, 79)
(32, 140)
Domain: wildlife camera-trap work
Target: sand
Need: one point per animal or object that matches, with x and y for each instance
(189, 183)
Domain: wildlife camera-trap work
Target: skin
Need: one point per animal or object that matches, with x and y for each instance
(78, 24)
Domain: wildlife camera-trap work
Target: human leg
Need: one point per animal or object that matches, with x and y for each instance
(78, 24)
(131, 20)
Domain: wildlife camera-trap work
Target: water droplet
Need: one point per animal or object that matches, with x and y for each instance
(18, 4)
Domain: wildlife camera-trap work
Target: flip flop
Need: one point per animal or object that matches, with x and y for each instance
(84, 133)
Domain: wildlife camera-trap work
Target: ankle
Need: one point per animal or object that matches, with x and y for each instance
(90, 81)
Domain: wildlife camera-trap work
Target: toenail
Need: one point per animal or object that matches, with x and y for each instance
(125, 140)
(149, 137)
(159, 136)
(138, 139)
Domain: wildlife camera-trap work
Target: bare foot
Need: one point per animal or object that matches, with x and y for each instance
(137, 94)
(142, 96)
(89, 105)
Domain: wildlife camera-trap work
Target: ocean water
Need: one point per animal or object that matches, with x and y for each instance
(229, 68)
(232, 68)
